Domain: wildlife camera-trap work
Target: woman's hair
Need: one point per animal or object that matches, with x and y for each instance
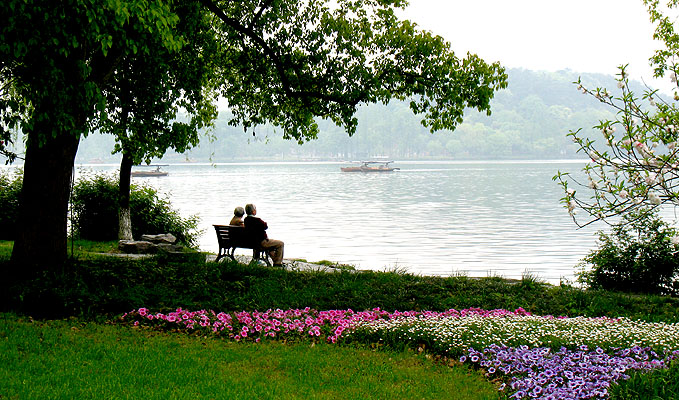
(249, 208)
(239, 212)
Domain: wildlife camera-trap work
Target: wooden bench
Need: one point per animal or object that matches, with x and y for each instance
(231, 237)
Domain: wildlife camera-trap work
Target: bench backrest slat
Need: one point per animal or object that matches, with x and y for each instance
(230, 236)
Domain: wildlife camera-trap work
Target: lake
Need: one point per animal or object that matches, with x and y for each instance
(431, 218)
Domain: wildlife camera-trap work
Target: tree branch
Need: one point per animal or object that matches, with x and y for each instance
(280, 65)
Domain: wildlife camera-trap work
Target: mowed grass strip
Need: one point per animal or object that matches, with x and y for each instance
(72, 359)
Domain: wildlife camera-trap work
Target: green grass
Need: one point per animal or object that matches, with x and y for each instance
(662, 384)
(336, 265)
(71, 359)
(80, 248)
(83, 247)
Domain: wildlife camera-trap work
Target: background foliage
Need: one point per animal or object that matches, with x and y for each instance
(10, 187)
(95, 212)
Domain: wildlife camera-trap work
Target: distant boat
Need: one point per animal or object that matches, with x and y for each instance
(149, 173)
(371, 166)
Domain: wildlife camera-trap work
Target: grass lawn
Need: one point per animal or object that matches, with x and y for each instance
(71, 359)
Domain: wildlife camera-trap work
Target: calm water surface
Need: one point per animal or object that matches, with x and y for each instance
(474, 218)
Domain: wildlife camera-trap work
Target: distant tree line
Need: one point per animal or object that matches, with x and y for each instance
(530, 120)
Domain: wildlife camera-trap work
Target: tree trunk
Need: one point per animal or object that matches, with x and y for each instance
(41, 239)
(124, 217)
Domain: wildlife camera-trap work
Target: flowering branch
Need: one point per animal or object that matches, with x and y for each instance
(637, 166)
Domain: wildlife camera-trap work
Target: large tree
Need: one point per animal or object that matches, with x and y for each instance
(284, 62)
(635, 160)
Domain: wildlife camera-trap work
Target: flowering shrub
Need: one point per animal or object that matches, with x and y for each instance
(536, 356)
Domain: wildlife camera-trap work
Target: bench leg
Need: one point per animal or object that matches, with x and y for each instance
(220, 255)
(257, 255)
(226, 253)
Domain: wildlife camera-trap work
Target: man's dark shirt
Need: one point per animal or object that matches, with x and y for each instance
(255, 228)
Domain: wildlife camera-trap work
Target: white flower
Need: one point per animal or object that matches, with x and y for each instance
(592, 184)
(675, 240)
(623, 194)
(673, 77)
(642, 148)
(626, 142)
(621, 84)
(671, 145)
(650, 179)
(570, 191)
(654, 199)
(571, 206)
(652, 102)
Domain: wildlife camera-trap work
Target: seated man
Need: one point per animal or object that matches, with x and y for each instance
(255, 228)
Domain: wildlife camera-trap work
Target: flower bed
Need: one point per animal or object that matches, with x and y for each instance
(535, 356)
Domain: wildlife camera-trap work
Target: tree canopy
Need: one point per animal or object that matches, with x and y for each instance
(283, 62)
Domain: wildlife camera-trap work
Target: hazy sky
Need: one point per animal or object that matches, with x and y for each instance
(582, 35)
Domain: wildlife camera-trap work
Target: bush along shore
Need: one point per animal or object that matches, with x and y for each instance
(532, 339)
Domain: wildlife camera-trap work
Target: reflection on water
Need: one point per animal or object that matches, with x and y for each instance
(479, 219)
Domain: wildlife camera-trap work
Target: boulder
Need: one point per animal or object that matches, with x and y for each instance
(166, 238)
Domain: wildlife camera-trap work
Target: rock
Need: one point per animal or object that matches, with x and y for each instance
(137, 247)
(151, 244)
(167, 238)
(170, 248)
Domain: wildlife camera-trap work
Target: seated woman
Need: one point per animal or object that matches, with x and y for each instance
(238, 217)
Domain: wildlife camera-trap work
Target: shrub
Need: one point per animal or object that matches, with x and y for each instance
(95, 212)
(639, 256)
(10, 189)
(152, 213)
(94, 208)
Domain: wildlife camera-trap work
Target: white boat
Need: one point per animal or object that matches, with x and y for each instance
(371, 166)
(149, 173)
